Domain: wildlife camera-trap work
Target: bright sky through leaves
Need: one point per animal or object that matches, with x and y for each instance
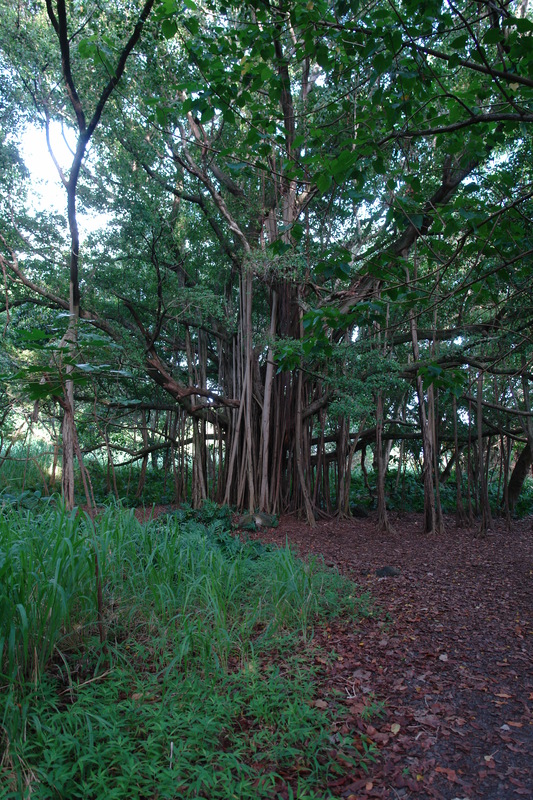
(46, 193)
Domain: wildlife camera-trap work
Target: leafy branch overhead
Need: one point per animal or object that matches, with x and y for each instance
(317, 218)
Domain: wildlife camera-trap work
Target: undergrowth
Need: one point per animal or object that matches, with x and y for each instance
(25, 481)
(407, 493)
(204, 687)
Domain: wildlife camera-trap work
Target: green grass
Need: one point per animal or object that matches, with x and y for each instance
(140, 734)
(46, 586)
(205, 686)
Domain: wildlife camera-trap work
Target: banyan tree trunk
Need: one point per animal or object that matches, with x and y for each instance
(265, 493)
(518, 476)
(486, 516)
(430, 513)
(461, 517)
(381, 459)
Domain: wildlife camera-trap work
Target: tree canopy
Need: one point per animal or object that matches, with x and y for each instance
(318, 240)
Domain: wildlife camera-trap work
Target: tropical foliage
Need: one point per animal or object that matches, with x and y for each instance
(318, 240)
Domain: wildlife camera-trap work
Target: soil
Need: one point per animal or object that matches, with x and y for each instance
(451, 657)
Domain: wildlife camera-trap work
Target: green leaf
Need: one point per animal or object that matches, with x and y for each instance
(459, 43)
(87, 48)
(454, 61)
(169, 28)
(342, 165)
(522, 24)
(279, 247)
(88, 367)
(493, 36)
(323, 182)
(162, 114)
(207, 114)
(33, 335)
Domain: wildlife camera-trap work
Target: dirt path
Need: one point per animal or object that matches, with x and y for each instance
(454, 665)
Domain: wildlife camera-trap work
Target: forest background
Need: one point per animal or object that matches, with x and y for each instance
(317, 252)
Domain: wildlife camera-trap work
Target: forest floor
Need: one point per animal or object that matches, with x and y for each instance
(447, 663)
(451, 659)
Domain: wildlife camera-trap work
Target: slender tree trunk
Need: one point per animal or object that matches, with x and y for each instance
(67, 435)
(506, 448)
(54, 464)
(383, 517)
(196, 377)
(365, 473)
(345, 508)
(460, 514)
(58, 16)
(265, 495)
(144, 464)
(232, 471)
(429, 525)
(299, 456)
(199, 484)
(427, 430)
(501, 462)
(401, 454)
(469, 467)
(248, 398)
(486, 516)
(343, 448)
(318, 490)
(518, 476)
(433, 428)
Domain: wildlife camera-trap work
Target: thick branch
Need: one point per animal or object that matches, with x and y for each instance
(59, 24)
(160, 373)
(53, 299)
(497, 74)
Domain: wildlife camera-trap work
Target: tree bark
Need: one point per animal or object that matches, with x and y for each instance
(265, 499)
(460, 515)
(57, 14)
(430, 517)
(518, 475)
(383, 517)
(486, 516)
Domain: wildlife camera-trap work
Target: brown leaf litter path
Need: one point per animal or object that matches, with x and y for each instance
(451, 659)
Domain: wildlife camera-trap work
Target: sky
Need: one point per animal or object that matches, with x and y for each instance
(46, 192)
